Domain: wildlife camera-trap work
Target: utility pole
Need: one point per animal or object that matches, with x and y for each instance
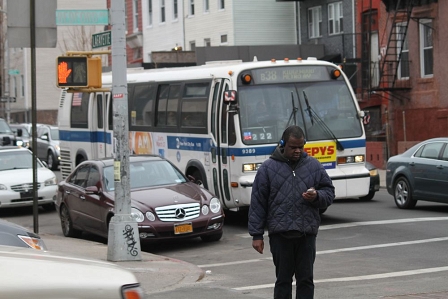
(123, 238)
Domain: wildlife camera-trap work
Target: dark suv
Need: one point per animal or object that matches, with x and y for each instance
(7, 136)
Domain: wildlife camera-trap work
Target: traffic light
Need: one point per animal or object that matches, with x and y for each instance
(78, 71)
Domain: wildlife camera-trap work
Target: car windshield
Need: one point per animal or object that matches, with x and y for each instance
(16, 160)
(24, 131)
(4, 128)
(146, 174)
(54, 134)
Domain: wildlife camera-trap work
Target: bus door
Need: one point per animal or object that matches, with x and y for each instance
(101, 134)
(224, 140)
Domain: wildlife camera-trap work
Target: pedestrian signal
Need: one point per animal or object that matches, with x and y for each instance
(78, 71)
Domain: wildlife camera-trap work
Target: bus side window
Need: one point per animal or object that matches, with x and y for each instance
(142, 104)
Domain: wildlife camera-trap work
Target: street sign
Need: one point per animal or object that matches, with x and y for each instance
(102, 39)
(14, 72)
(75, 17)
(5, 99)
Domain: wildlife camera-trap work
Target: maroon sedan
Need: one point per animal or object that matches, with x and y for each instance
(165, 204)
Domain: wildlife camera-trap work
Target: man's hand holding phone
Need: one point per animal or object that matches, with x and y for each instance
(310, 194)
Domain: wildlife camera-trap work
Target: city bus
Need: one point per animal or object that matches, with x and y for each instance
(218, 122)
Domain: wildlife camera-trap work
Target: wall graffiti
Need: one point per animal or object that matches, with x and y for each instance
(128, 233)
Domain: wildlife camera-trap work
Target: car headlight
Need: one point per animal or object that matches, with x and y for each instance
(132, 292)
(351, 159)
(137, 215)
(2, 187)
(51, 182)
(150, 215)
(251, 167)
(19, 142)
(215, 205)
(33, 242)
(205, 210)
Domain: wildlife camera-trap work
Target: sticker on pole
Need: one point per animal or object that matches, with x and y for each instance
(117, 165)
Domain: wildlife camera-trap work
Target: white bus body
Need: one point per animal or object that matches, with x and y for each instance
(182, 115)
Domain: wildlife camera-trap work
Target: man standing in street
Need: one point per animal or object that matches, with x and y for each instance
(288, 191)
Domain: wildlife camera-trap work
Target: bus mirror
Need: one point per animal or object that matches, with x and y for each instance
(230, 97)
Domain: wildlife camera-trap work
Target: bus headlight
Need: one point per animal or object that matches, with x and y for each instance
(351, 159)
(251, 167)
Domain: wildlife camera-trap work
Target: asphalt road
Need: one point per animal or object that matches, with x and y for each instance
(364, 250)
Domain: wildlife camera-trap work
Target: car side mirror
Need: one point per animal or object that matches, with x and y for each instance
(92, 190)
(44, 137)
(19, 132)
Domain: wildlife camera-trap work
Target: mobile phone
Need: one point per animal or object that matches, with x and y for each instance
(310, 190)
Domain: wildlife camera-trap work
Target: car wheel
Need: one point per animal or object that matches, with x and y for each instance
(403, 194)
(51, 161)
(212, 238)
(67, 224)
(368, 196)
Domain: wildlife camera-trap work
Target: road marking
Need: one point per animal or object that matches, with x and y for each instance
(356, 278)
(365, 223)
(334, 251)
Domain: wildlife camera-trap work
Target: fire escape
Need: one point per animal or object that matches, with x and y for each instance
(394, 63)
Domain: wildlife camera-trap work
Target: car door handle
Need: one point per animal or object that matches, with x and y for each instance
(67, 192)
(82, 197)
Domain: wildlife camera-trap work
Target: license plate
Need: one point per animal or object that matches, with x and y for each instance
(183, 228)
(26, 195)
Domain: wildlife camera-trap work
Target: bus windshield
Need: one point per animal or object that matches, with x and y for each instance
(325, 110)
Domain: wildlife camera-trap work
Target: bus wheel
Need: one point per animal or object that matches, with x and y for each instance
(198, 178)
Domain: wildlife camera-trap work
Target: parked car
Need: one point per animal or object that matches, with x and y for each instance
(16, 179)
(45, 274)
(29, 127)
(47, 143)
(21, 133)
(164, 202)
(374, 181)
(7, 136)
(420, 173)
(12, 234)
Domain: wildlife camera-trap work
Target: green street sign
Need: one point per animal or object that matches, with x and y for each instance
(102, 39)
(14, 72)
(75, 17)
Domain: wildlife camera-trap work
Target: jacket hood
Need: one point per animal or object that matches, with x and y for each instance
(278, 155)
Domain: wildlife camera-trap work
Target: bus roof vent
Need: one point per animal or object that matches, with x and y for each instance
(311, 58)
(63, 94)
(224, 62)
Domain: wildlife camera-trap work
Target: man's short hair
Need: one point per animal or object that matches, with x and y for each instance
(294, 131)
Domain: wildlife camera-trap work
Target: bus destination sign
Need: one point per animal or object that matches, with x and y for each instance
(290, 74)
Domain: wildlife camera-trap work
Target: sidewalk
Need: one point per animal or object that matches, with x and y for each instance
(155, 273)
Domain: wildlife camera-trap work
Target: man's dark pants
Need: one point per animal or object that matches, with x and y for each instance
(293, 256)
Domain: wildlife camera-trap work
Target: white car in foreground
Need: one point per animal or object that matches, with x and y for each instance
(39, 274)
(16, 179)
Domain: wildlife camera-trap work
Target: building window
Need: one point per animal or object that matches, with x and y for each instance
(192, 46)
(135, 15)
(402, 43)
(191, 8)
(335, 18)
(315, 21)
(221, 4)
(207, 42)
(162, 11)
(224, 39)
(206, 5)
(150, 12)
(426, 48)
(175, 10)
